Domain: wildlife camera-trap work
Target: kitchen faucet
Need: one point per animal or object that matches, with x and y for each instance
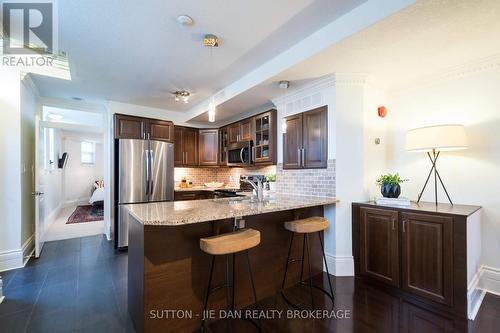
(258, 188)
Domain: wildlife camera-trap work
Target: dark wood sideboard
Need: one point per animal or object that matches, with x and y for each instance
(419, 251)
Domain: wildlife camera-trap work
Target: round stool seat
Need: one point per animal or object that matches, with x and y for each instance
(308, 225)
(232, 242)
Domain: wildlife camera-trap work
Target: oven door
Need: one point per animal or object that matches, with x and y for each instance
(240, 154)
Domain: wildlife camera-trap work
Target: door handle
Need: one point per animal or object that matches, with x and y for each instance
(152, 161)
(241, 155)
(146, 171)
(37, 193)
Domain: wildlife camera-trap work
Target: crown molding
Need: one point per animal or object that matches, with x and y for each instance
(467, 69)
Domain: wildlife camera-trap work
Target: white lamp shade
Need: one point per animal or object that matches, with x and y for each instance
(440, 138)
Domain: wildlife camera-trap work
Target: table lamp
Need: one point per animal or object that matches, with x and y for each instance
(433, 140)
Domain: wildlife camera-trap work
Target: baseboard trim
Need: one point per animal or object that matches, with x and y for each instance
(17, 258)
(489, 279)
(28, 248)
(340, 265)
(475, 296)
(486, 280)
(77, 202)
(11, 260)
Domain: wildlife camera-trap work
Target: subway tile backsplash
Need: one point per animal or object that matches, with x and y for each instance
(313, 182)
(229, 176)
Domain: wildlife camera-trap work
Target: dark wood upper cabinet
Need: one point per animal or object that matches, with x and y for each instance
(264, 138)
(240, 131)
(379, 245)
(315, 138)
(160, 130)
(223, 145)
(179, 153)
(427, 250)
(233, 132)
(129, 127)
(208, 147)
(246, 130)
(185, 146)
(292, 142)
(305, 143)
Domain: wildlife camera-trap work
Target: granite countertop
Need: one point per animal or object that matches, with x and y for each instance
(196, 211)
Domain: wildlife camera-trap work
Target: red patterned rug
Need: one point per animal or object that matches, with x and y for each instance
(85, 214)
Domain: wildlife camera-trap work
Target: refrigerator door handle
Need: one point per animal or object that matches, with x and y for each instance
(146, 171)
(152, 161)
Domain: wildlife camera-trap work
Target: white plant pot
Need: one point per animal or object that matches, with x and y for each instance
(272, 186)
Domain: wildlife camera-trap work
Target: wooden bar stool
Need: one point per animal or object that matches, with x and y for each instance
(307, 226)
(229, 244)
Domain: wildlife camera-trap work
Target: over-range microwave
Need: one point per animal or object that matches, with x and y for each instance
(240, 154)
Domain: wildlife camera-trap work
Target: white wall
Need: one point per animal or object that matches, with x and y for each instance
(77, 177)
(471, 176)
(10, 167)
(29, 106)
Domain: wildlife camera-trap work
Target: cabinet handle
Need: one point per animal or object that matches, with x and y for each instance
(299, 159)
(303, 157)
(393, 224)
(404, 225)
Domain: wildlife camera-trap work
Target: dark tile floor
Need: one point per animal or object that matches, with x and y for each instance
(77, 285)
(80, 285)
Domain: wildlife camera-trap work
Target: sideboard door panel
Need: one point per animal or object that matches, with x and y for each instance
(379, 245)
(427, 245)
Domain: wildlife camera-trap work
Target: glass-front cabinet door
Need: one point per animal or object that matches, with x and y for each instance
(264, 138)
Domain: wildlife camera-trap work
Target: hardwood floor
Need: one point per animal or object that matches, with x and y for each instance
(80, 285)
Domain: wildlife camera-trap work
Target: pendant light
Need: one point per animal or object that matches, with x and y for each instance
(211, 41)
(211, 110)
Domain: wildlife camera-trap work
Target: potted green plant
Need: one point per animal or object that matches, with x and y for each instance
(390, 185)
(271, 180)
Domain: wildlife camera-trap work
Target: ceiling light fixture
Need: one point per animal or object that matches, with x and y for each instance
(185, 20)
(182, 95)
(211, 41)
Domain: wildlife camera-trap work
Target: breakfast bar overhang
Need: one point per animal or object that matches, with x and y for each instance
(168, 272)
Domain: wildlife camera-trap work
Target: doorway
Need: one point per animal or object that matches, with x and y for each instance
(71, 170)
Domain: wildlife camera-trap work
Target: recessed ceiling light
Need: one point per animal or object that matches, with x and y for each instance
(185, 20)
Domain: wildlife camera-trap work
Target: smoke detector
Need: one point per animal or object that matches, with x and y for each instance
(185, 20)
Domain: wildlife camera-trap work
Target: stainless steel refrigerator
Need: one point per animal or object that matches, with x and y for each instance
(145, 174)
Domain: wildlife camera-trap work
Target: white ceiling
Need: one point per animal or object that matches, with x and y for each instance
(415, 44)
(135, 52)
(421, 41)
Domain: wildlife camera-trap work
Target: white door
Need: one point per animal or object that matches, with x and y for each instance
(39, 187)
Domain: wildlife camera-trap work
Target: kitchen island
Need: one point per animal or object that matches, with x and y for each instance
(168, 273)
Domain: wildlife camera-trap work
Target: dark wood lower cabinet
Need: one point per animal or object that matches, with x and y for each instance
(427, 249)
(193, 195)
(379, 245)
(420, 252)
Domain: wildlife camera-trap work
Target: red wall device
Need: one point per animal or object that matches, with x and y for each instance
(382, 111)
